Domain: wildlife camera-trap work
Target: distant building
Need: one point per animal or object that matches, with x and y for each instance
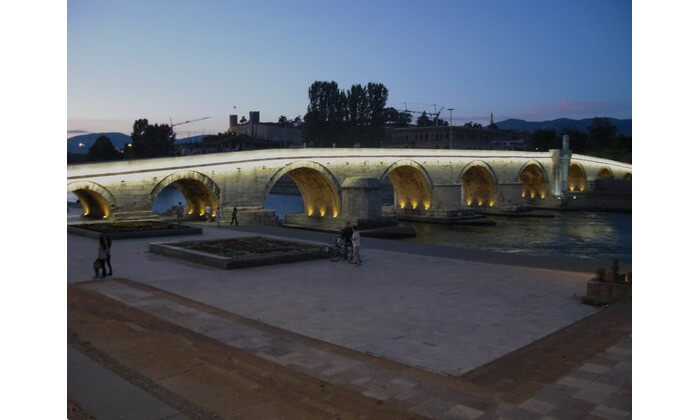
(462, 138)
(287, 136)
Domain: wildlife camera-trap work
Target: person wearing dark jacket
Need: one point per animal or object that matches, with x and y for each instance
(346, 234)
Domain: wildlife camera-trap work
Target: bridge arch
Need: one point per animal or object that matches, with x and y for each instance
(96, 200)
(479, 184)
(533, 179)
(605, 172)
(198, 189)
(577, 177)
(412, 185)
(319, 188)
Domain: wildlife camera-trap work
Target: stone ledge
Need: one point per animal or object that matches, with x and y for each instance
(188, 230)
(608, 292)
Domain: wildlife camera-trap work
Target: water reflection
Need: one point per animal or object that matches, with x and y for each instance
(571, 234)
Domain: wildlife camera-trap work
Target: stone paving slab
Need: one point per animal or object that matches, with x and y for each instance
(569, 397)
(107, 396)
(444, 315)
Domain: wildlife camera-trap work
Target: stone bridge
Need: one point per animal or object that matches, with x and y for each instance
(339, 185)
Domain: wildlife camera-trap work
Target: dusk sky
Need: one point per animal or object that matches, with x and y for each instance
(533, 60)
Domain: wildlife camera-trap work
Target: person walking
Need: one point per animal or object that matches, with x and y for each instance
(99, 263)
(356, 246)
(107, 244)
(218, 216)
(207, 213)
(234, 216)
(180, 211)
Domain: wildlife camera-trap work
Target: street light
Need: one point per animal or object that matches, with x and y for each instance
(450, 109)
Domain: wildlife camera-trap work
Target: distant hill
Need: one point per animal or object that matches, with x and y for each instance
(117, 139)
(623, 126)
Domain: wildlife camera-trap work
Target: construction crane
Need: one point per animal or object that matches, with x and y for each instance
(186, 122)
(435, 114)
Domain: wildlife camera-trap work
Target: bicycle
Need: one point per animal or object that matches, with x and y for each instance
(335, 250)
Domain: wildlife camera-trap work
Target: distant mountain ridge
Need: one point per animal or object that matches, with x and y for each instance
(118, 141)
(624, 127)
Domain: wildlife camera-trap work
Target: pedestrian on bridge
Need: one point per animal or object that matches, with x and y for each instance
(180, 212)
(234, 216)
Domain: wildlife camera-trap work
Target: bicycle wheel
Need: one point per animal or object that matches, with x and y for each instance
(334, 255)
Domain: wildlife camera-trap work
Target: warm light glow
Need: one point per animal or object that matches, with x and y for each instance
(469, 201)
(414, 204)
(532, 195)
(335, 213)
(571, 187)
(190, 211)
(522, 195)
(491, 203)
(310, 212)
(402, 204)
(541, 195)
(426, 205)
(104, 217)
(86, 213)
(322, 212)
(480, 202)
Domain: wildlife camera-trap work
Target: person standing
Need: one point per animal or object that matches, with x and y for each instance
(101, 257)
(346, 234)
(218, 216)
(356, 246)
(180, 211)
(107, 244)
(207, 213)
(234, 216)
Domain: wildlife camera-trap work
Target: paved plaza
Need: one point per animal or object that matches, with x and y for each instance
(445, 316)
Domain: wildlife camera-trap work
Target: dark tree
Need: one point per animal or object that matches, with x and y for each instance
(342, 117)
(543, 139)
(151, 140)
(102, 150)
(282, 120)
(424, 120)
(602, 131)
(396, 118)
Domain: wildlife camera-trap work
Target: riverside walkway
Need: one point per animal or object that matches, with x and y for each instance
(422, 334)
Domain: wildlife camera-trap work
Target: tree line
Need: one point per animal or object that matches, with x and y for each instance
(345, 117)
(602, 140)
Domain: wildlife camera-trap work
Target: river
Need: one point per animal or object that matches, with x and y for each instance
(589, 235)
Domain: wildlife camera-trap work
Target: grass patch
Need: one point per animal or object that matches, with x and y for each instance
(245, 247)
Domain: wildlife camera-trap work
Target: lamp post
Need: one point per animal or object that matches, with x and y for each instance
(450, 109)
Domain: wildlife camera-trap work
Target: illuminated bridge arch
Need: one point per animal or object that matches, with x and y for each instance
(605, 172)
(318, 187)
(412, 184)
(96, 200)
(534, 181)
(478, 184)
(198, 189)
(577, 177)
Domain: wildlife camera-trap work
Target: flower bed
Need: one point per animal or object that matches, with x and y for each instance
(132, 229)
(239, 252)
